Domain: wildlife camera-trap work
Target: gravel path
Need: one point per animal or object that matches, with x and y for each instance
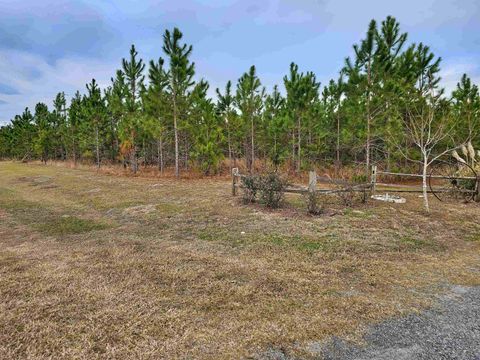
(450, 331)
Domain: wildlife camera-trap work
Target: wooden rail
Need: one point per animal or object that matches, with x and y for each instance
(405, 188)
(312, 185)
(346, 186)
(429, 176)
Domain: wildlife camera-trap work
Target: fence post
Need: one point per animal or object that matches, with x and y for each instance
(234, 181)
(374, 178)
(312, 181)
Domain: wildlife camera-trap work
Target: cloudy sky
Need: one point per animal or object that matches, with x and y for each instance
(49, 46)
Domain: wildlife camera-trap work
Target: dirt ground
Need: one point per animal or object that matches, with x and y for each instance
(100, 266)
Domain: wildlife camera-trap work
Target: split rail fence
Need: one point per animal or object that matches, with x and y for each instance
(336, 186)
(404, 188)
(340, 186)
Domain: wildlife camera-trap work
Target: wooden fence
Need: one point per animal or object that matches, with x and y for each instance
(336, 186)
(313, 180)
(402, 188)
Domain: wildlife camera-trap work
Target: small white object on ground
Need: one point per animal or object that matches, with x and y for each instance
(390, 198)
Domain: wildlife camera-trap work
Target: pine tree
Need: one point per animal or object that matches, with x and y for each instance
(75, 117)
(427, 69)
(156, 104)
(225, 107)
(208, 135)
(43, 141)
(332, 98)
(22, 134)
(302, 92)
(115, 97)
(180, 80)
(95, 114)
(276, 127)
(365, 57)
(466, 108)
(133, 70)
(249, 100)
(169, 117)
(60, 125)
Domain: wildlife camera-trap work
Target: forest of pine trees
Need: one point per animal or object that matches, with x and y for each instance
(156, 114)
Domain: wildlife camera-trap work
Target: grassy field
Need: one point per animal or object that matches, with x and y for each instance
(97, 266)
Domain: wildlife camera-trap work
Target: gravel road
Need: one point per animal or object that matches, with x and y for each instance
(449, 331)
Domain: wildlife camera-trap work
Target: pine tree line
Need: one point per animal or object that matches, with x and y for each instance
(160, 116)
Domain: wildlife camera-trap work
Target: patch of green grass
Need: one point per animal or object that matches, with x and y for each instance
(42, 218)
(324, 244)
(278, 240)
(415, 243)
(168, 209)
(68, 226)
(311, 246)
(359, 214)
(475, 237)
(210, 234)
(301, 243)
(17, 206)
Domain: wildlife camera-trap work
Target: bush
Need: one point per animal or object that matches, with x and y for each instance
(313, 203)
(250, 188)
(467, 184)
(272, 190)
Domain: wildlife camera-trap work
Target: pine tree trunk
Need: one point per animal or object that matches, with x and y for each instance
(229, 147)
(389, 165)
(175, 129)
(97, 146)
(74, 152)
(367, 146)
(247, 152)
(133, 160)
(299, 150)
(112, 150)
(293, 149)
(253, 148)
(187, 147)
(275, 155)
(160, 155)
(338, 144)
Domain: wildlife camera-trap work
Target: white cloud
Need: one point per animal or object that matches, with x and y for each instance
(353, 15)
(38, 81)
(453, 70)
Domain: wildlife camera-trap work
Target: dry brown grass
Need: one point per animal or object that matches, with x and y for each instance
(97, 266)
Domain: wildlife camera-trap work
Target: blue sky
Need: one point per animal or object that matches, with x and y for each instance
(49, 46)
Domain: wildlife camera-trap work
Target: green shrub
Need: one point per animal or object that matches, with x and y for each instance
(250, 188)
(466, 184)
(272, 189)
(313, 203)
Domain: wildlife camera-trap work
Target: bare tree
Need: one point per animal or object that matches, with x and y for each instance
(428, 126)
